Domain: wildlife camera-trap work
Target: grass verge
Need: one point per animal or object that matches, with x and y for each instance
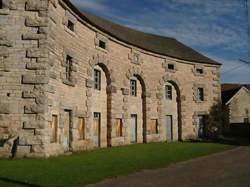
(89, 167)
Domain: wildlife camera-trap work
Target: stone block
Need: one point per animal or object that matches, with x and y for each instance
(35, 79)
(89, 83)
(36, 21)
(36, 5)
(33, 36)
(34, 109)
(34, 124)
(36, 66)
(37, 53)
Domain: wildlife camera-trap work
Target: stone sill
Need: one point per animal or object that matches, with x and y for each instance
(101, 49)
(4, 11)
(69, 83)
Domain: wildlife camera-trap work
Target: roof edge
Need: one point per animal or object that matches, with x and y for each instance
(82, 16)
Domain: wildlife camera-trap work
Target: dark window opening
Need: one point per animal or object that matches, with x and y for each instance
(1, 4)
(171, 66)
(133, 87)
(97, 79)
(71, 25)
(200, 94)
(199, 71)
(68, 67)
(168, 92)
(102, 44)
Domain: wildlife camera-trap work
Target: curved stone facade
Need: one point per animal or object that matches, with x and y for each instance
(49, 62)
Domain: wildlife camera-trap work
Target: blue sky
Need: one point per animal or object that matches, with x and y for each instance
(216, 28)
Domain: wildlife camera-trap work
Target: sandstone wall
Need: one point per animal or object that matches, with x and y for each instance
(35, 42)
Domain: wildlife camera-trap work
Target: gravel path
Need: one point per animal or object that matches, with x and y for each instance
(227, 169)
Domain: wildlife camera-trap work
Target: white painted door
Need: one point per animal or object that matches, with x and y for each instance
(66, 130)
(201, 126)
(97, 129)
(169, 128)
(133, 132)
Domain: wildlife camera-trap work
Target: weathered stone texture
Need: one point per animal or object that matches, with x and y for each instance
(51, 108)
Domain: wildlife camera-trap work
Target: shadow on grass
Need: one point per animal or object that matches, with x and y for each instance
(15, 182)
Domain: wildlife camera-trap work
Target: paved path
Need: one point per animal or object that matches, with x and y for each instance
(227, 169)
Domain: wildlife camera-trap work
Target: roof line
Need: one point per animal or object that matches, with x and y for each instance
(187, 49)
(243, 87)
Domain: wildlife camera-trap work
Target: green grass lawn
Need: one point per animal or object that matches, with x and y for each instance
(89, 167)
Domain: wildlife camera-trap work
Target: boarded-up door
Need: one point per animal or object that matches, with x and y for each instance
(66, 130)
(133, 132)
(97, 129)
(169, 128)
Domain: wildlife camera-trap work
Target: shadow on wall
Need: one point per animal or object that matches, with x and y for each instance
(215, 120)
(16, 182)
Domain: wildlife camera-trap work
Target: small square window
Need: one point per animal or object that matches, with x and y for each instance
(200, 94)
(71, 26)
(199, 71)
(133, 88)
(102, 44)
(168, 92)
(97, 79)
(68, 68)
(171, 66)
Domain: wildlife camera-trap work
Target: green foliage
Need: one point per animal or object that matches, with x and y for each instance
(90, 167)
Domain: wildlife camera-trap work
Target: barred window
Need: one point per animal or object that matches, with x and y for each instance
(68, 67)
(97, 79)
(71, 25)
(102, 44)
(171, 66)
(200, 94)
(168, 92)
(199, 71)
(133, 88)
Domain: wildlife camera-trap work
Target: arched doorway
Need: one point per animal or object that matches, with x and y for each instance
(137, 104)
(172, 111)
(101, 105)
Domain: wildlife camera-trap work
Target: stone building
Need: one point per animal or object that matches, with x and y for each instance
(236, 106)
(72, 81)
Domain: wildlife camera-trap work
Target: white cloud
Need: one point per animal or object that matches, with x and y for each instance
(95, 5)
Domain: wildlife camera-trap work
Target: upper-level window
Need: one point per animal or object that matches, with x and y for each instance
(200, 94)
(68, 67)
(102, 44)
(168, 92)
(71, 26)
(97, 79)
(199, 71)
(1, 4)
(171, 66)
(133, 87)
